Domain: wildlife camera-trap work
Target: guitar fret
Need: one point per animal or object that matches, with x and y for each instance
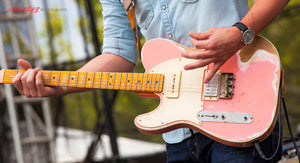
(160, 82)
(84, 83)
(150, 82)
(100, 80)
(113, 84)
(93, 80)
(72, 79)
(120, 78)
(58, 78)
(88, 79)
(155, 75)
(136, 82)
(141, 87)
(125, 81)
(131, 81)
(76, 79)
(49, 77)
(146, 82)
(156, 82)
(107, 74)
(68, 78)
(81, 79)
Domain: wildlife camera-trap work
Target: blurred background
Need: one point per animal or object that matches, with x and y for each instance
(96, 126)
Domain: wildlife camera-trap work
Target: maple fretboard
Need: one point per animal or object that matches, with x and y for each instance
(140, 82)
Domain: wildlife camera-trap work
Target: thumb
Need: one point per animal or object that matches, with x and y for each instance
(24, 64)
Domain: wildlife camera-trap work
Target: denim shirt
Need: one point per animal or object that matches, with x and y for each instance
(171, 19)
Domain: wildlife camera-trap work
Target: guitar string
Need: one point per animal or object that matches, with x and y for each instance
(167, 87)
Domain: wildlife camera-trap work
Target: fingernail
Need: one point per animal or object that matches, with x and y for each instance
(186, 67)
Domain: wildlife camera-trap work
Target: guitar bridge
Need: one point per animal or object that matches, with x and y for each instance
(220, 86)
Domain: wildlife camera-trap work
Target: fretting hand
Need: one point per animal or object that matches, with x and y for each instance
(30, 83)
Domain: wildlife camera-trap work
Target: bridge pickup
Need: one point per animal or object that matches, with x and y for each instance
(220, 86)
(228, 117)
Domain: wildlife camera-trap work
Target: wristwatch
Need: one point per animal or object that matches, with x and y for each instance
(248, 34)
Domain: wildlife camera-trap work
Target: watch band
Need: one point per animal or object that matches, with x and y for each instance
(247, 33)
(241, 26)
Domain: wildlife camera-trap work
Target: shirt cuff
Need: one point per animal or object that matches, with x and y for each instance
(122, 47)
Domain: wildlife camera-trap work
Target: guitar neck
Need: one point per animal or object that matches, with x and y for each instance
(140, 82)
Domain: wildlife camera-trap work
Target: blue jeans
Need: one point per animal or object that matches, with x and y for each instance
(202, 149)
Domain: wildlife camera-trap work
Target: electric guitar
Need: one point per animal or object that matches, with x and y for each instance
(236, 107)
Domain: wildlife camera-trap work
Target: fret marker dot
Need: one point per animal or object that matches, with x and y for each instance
(53, 77)
(148, 81)
(89, 79)
(128, 81)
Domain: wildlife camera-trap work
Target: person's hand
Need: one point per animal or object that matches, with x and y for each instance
(218, 45)
(30, 83)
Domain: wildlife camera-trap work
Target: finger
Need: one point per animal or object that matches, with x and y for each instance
(198, 64)
(24, 64)
(24, 84)
(31, 82)
(200, 36)
(17, 82)
(201, 54)
(39, 83)
(199, 44)
(212, 71)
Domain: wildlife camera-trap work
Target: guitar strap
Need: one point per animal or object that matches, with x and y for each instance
(129, 8)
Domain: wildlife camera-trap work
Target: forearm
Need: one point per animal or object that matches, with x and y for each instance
(104, 63)
(262, 13)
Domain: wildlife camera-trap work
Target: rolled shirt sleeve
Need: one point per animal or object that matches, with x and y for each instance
(118, 36)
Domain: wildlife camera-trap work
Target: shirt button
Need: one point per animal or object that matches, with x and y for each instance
(170, 36)
(163, 7)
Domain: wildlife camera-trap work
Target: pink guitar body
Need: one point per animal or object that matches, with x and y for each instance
(257, 74)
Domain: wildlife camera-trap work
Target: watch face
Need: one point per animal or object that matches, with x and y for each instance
(248, 36)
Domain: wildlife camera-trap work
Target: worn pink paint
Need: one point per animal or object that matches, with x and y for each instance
(255, 92)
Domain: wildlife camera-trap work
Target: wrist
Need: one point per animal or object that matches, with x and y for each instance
(237, 36)
(247, 33)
